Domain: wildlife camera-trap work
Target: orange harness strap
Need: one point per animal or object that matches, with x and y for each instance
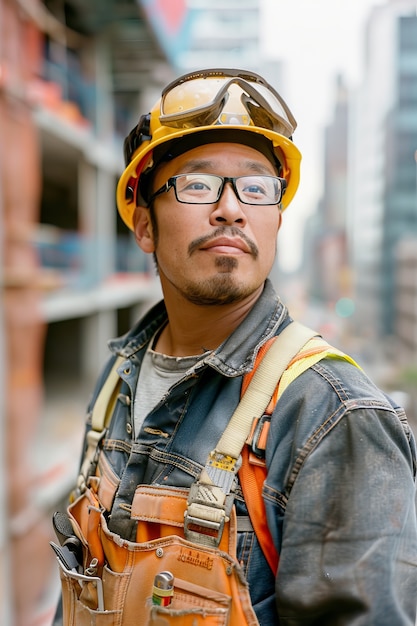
(253, 471)
(252, 478)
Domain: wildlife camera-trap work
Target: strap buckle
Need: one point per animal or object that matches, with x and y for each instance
(207, 512)
(257, 438)
(93, 438)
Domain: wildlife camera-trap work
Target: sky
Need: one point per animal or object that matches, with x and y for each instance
(317, 39)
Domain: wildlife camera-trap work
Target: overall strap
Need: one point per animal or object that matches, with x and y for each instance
(102, 412)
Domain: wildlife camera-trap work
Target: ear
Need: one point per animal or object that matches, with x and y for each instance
(143, 229)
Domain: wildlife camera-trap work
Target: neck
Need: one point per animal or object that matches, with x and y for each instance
(192, 329)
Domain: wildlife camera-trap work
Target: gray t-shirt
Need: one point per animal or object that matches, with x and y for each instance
(157, 374)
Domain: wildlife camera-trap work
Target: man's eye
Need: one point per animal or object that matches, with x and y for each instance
(196, 186)
(254, 189)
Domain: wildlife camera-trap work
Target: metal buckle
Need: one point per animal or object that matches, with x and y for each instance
(207, 512)
(202, 531)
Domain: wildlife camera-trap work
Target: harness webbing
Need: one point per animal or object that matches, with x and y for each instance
(278, 363)
(254, 401)
(211, 496)
(101, 416)
(252, 474)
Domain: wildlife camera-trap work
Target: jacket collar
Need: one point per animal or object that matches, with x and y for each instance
(236, 355)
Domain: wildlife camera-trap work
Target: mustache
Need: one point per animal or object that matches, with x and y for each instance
(224, 231)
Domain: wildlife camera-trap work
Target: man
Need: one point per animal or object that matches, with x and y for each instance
(209, 172)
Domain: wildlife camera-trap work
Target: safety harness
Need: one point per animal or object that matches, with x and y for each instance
(208, 509)
(278, 363)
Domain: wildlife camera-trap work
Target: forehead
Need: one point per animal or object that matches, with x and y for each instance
(221, 158)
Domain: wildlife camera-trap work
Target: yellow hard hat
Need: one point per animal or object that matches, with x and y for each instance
(202, 107)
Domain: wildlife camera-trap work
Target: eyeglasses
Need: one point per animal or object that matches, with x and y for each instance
(200, 99)
(208, 188)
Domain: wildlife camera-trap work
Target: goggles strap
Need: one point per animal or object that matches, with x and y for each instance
(136, 137)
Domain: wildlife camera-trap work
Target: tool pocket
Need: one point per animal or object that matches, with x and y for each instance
(192, 605)
(162, 616)
(84, 598)
(83, 601)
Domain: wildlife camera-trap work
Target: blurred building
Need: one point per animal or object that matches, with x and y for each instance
(370, 186)
(382, 170)
(326, 236)
(226, 33)
(223, 33)
(359, 242)
(73, 77)
(405, 345)
(406, 300)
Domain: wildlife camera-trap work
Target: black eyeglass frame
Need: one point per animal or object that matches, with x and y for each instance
(172, 183)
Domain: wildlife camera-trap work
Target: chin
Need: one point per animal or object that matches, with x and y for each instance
(223, 289)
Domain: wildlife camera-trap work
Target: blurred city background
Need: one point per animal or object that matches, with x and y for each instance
(75, 75)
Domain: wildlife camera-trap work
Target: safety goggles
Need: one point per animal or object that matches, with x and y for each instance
(201, 99)
(208, 188)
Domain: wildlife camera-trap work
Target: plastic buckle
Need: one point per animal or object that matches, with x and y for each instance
(260, 424)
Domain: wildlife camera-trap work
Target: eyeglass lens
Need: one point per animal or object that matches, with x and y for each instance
(207, 188)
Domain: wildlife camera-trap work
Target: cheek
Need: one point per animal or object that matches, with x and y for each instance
(266, 237)
(177, 230)
(266, 232)
(172, 242)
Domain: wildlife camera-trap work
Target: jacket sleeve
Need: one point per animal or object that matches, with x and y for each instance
(349, 538)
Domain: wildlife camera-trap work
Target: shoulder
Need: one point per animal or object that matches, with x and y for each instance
(331, 410)
(323, 396)
(338, 382)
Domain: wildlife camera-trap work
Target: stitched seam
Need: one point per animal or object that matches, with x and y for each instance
(274, 496)
(117, 444)
(333, 381)
(187, 465)
(247, 550)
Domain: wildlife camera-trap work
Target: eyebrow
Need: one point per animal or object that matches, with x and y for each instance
(203, 164)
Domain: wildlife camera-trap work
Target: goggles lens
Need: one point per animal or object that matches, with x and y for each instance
(208, 188)
(224, 97)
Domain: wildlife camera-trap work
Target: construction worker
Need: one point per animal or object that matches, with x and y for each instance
(162, 518)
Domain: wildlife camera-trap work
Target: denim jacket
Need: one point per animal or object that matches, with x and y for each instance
(339, 492)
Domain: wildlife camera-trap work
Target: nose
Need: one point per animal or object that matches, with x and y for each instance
(228, 209)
